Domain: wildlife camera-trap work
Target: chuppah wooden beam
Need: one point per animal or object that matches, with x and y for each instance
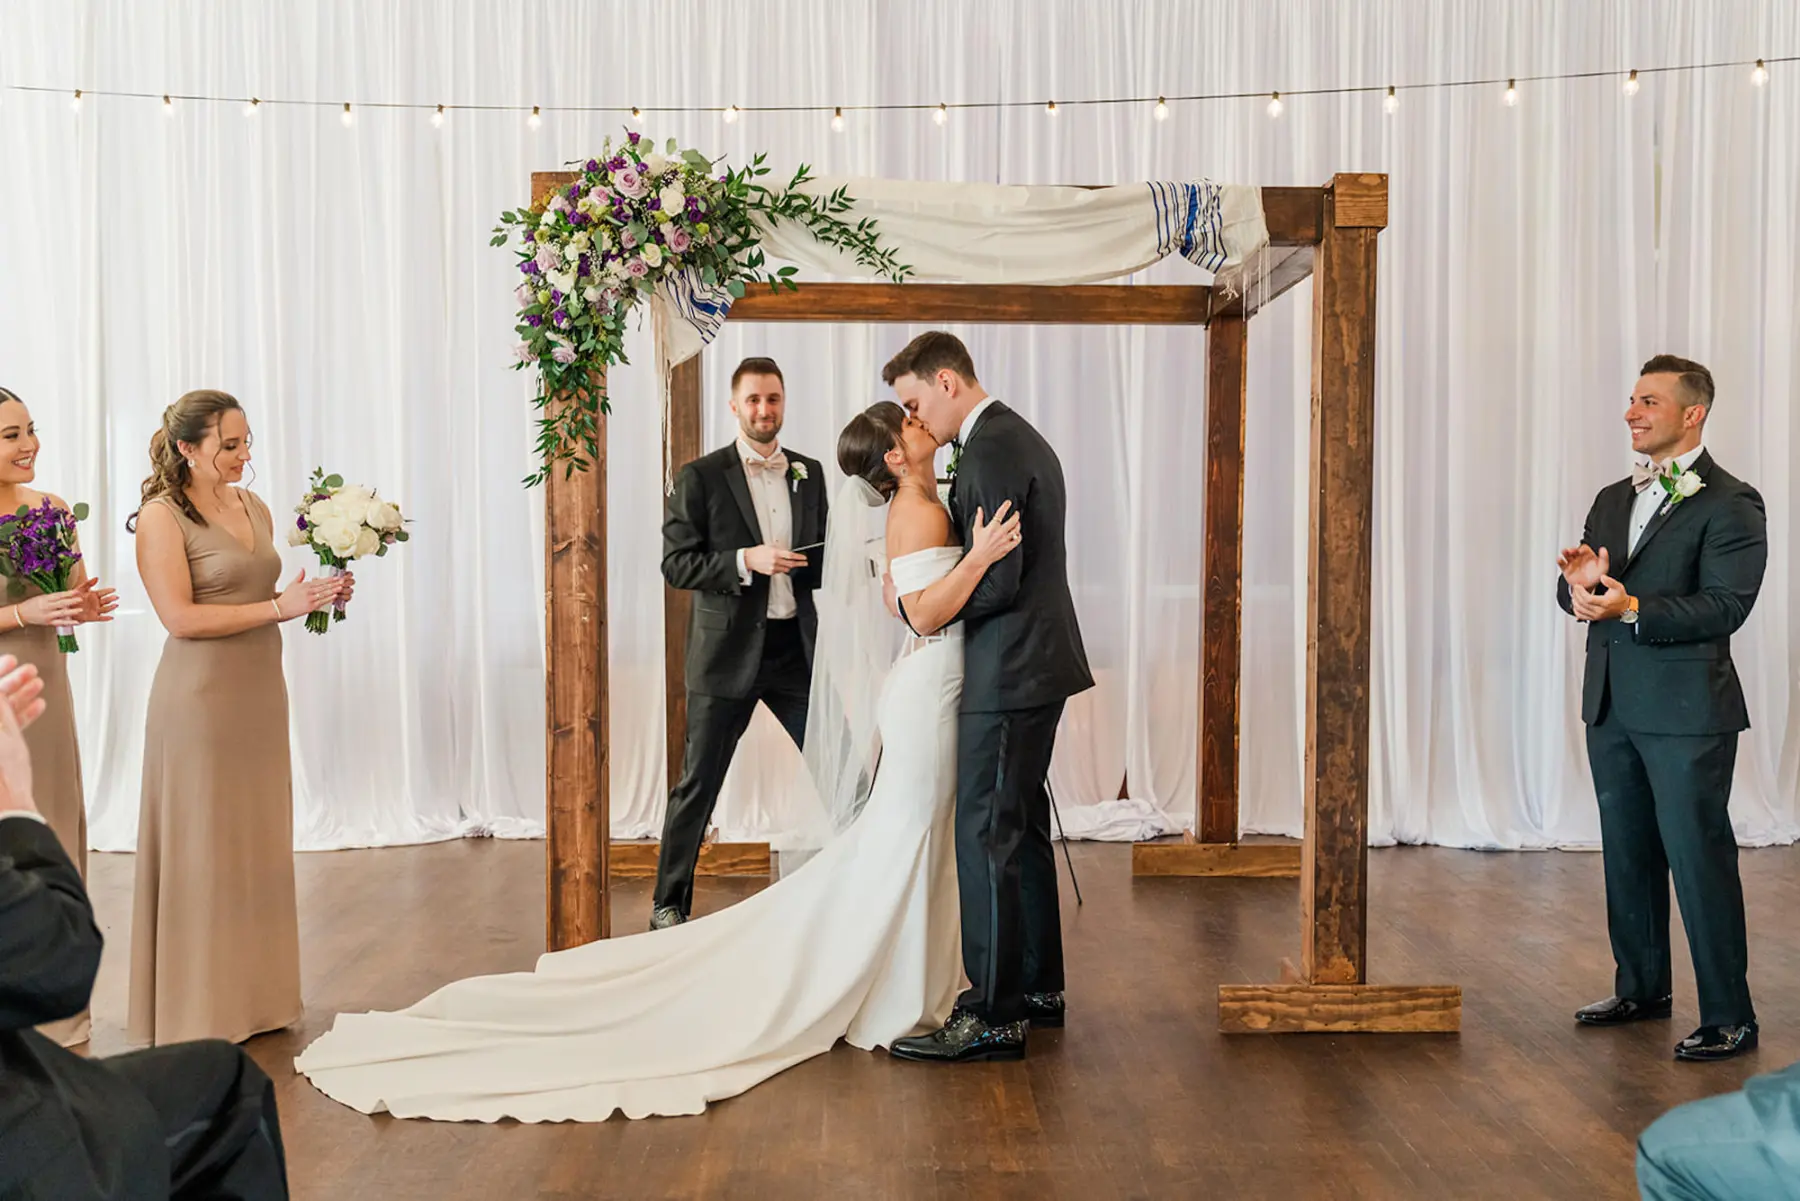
(984, 304)
(1333, 993)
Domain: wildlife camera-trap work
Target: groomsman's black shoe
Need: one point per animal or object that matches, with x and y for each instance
(664, 916)
(965, 1038)
(1045, 1009)
(1710, 1043)
(1616, 1011)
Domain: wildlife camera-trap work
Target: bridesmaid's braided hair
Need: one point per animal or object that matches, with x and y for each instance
(187, 420)
(863, 446)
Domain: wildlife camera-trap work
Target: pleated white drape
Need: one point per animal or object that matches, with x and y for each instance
(340, 283)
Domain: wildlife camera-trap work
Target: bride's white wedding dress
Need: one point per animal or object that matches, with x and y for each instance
(861, 943)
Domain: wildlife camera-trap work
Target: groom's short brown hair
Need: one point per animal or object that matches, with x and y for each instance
(928, 354)
(1696, 381)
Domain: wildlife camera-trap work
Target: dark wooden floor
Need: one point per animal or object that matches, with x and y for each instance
(1139, 1097)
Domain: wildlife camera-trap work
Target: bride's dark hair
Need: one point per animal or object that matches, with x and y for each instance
(862, 447)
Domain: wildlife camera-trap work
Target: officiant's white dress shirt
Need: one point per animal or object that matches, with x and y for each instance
(1652, 498)
(775, 522)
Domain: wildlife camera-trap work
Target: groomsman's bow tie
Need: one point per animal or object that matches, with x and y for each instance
(1643, 475)
(776, 462)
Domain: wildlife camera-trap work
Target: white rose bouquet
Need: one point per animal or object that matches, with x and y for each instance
(342, 523)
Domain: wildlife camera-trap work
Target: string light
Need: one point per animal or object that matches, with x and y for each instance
(1275, 105)
(1760, 75)
(1161, 110)
(637, 114)
(75, 104)
(168, 107)
(250, 106)
(940, 114)
(347, 117)
(437, 118)
(837, 120)
(1631, 84)
(731, 114)
(536, 118)
(1512, 93)
(1391, 103)
(1051, 108)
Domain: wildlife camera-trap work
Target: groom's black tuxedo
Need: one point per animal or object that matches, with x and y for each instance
(736, 654)
(1023, 658)
(1664, 708)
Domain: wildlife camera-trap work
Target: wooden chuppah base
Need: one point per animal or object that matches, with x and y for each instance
(636, 860)
(1188, 856)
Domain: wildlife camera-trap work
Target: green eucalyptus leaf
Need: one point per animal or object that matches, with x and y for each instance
(80, 511)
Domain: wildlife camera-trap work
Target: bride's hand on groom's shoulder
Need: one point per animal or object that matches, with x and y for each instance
(993, 540)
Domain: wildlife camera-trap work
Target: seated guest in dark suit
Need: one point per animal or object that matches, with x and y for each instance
(189, 1120)
(1743, 1146)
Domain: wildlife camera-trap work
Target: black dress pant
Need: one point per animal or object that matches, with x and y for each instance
(216, 1113)
(1006, 861)
(715, 724)
(1662, 814)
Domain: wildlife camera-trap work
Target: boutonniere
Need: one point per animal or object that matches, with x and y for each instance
(1679, 483)
(955, 458)
(796, 473)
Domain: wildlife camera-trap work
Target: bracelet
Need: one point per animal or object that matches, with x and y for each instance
(276, 605)
(19, 616)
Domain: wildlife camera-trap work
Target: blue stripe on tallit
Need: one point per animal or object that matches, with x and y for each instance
(1190, 220)
(702, 307)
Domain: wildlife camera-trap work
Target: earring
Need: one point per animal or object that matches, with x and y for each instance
(190, 464)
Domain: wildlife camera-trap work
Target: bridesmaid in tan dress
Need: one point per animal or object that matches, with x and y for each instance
(27, 632)
(215, 949)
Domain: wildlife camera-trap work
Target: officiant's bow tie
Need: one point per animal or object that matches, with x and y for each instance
(777, 462)
(1643, 475)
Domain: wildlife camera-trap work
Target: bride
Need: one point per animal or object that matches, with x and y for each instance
(861, 943)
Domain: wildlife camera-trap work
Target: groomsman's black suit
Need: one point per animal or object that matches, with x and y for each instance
(1664, 709)
(1022, 659)
(191, 1120)
(736, 655)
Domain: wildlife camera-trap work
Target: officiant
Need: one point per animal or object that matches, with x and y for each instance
(744, 531)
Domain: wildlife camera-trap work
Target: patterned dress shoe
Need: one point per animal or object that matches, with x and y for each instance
(664, 916)
(1711, 1043)
(965, 1038)
(1616, 1011)
(1045, 1010)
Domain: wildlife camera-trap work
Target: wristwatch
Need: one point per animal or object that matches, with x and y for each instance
(1630, 616)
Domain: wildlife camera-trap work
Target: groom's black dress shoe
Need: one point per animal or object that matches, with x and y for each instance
(664, 916)
(1711, 1043)
(965, 1038)
(1045, 1009)
(1616, 1011)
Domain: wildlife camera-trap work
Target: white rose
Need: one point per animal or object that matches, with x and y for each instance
(571, 253)
(350, 502)
(319, 513)
(591, 294)
(367, 543)
(340, 536)
(672, 198)
(656, 164)
(382, 515)
(1687, 483)
(652, 255)
(563, 281)
(296, 536)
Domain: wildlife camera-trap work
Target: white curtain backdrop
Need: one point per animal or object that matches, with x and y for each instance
(340, 283)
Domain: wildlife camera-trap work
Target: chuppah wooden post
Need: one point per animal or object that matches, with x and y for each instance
(1333, 993)
(681, 448)
(576, 710)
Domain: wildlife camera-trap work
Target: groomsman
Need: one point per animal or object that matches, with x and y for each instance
(744, 531)
(1669, 566)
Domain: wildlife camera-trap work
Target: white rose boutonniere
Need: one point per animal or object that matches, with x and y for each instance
(796, 473)
(1679, 483)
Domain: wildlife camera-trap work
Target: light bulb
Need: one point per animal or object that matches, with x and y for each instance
(1760, 75)
(250, 106)
(1392, 102)
(1631, 84)
(1275, 105)
(347, 117)
(637, 114)
(1162, 109)
(1512, 94)
(837, 120)
(75, 104)
(1051, 108)
(168, 107)
(536, 118)
(940, 114)
(437, 118)
(731, 114)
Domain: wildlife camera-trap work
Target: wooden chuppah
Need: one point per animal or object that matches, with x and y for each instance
(1329, 232)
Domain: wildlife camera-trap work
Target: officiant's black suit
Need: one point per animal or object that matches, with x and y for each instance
(1663, 709)
(1022, 659)
(189, 1120)
(736, 655)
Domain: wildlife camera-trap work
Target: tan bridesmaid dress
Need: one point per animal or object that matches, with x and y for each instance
(215, 949)
(55, 760)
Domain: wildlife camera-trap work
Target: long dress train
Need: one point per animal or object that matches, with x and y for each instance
(862, 943)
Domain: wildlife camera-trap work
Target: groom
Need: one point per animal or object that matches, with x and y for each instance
(1023, 659)
(736, 533)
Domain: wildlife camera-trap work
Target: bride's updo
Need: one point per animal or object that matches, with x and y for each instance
(864, 444)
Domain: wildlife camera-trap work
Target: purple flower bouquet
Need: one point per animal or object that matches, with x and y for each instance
(38, 546)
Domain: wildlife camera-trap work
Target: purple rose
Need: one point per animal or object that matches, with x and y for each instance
(637, 268)
(562, 316)
(593, 165)
(582, 267)
(635, 136)
(534, 320)
(556, 296)
(679, 240)
(564, 353)
(300, 523)
(616, 162)
(574, 192)
(528, 267)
